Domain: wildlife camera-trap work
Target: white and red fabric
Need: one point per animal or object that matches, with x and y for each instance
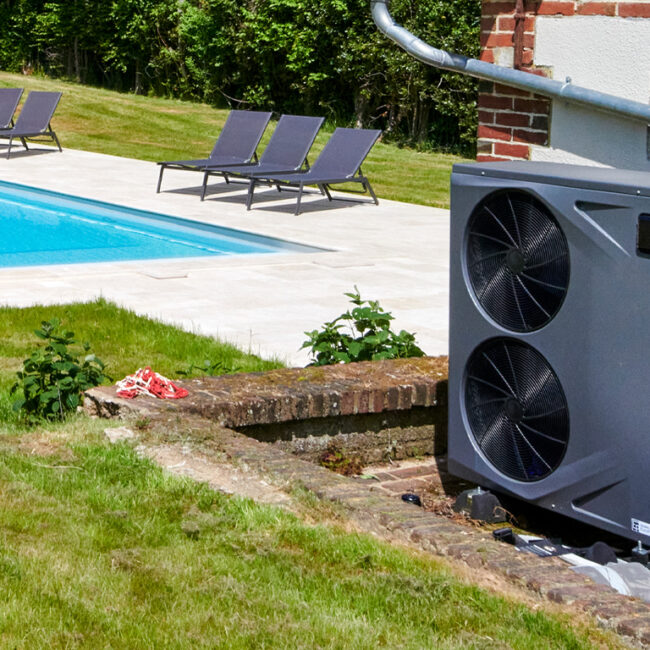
(147, 382)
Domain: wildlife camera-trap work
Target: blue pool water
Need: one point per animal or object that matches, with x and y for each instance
(41, 227)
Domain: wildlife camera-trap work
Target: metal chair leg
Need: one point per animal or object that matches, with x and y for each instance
(249, 197)
(205, 183)
(300, 188)
(366, 184)
(58, 144)
(162, 169)
(9, 149)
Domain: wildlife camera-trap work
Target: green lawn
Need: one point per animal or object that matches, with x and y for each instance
(93, 551)
(93, 554)
(163, 129)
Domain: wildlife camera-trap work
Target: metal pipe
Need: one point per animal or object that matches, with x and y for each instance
(507, 76)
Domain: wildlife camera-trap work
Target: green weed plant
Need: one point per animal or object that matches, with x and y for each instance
(53, 379)
(369, 338)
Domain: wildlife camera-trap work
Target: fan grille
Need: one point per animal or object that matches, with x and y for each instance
(517, 260)
(516, 409)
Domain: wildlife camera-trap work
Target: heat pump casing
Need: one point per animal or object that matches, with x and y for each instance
(597, 343)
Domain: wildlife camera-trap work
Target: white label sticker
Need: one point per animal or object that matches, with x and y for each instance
(641, 527)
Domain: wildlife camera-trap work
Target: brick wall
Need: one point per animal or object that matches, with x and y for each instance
(511, 120)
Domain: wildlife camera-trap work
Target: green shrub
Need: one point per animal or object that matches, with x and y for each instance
(53, 379)
(369, 338)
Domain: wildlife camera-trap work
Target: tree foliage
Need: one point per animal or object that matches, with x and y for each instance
(307, 56)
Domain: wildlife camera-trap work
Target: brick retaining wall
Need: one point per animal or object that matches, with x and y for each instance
(375, 410)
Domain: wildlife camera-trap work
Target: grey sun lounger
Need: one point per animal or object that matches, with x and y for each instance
(34, 119)
(339, 162)
(9, 98)
(286, 152)
(235, 145)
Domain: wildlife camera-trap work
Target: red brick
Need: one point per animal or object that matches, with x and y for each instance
(383, 476)
(377, 401)
(492, 133)
(488, 23)
(496, 8)
(529, 41)
(597, 9)
(547, 7)
(391, 399)
(634, 9)
(531, 105)
(540, 72)
(528, 57)
(496, 39)
(486, 117)
(531, 137)
(487, 56)
(487, 158)
(500, 89)
(510, 149)
(513, 119)
(407, 485)
(429, 469)
(348, 406)
(505, 24)
(494, 101)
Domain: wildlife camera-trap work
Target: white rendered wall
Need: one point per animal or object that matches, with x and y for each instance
(603, 53)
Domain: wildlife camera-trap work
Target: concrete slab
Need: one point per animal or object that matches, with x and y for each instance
(396, 253)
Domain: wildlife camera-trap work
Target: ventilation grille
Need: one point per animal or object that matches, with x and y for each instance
(516, 409)
(517, 260)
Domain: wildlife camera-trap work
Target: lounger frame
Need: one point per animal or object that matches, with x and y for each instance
(46, 103)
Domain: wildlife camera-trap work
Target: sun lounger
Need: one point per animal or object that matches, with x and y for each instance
(339, 162)
(34, 119)
(285, 153)
(235, 145)
(9, 98)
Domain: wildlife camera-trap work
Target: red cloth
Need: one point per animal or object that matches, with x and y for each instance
(147, 382)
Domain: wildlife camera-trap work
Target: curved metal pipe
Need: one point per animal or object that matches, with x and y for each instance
(507, 76)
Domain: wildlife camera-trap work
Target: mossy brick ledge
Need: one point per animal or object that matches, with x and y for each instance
(393, 408)
(288, 394)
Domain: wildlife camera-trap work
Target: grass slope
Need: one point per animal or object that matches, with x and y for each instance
(155, 129)
(120, 338)
(93, 553)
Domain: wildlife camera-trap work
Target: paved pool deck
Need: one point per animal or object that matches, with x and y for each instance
(396, 253)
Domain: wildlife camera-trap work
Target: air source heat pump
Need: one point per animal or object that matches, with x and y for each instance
(549, 375)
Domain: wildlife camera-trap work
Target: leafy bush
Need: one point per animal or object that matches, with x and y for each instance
(369, 339)
(323, 57)
(53, 379)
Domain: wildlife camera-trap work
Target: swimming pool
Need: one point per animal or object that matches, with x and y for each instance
(42, 227)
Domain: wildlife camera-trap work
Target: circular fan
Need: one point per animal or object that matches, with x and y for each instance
(517, 260)
(516, 409)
